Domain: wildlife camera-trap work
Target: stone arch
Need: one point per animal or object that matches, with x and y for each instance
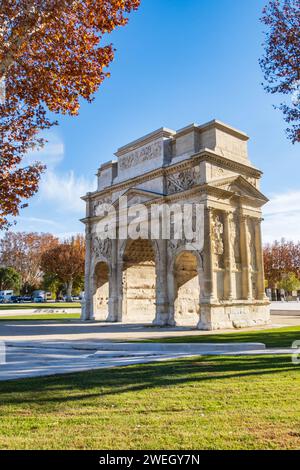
(101, 291)
(139, 272)
(187, 277)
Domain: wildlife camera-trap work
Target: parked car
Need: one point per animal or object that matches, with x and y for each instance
(5, 296)
(25, 298)
(39, 299)
(15, 299)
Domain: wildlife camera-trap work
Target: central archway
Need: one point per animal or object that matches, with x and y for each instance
(186, 289)
(139, 282)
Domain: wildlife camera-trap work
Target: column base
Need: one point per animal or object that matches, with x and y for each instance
(161, 319)
(234, 315)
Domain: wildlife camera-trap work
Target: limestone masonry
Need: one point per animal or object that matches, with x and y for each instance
(165, 281)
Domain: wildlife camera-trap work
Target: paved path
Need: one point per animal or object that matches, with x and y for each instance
(34, 359)
(47, 330)
(37, 348)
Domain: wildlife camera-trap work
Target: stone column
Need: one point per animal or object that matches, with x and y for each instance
(119, 286)
(162, 311)
(259, 262)
(113, 283)
(208, 296)
(227, 257)
(87, 306)
(245, 257)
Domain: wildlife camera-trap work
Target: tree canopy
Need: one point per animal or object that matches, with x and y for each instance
(52, 53)
(23, 252)
(281, 60)
(280, 258)
(65, 262)
(9, 279)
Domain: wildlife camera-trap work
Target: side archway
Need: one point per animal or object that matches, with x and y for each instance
(186, 288)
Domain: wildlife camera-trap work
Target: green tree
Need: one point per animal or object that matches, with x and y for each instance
(51, 283)
(10, 279)
(290, 282)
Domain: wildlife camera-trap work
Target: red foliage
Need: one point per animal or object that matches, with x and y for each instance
(281, 258)
(51, 55)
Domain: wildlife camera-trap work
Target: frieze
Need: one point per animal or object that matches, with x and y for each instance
(149, 152)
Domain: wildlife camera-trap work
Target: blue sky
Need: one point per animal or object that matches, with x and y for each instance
(177, 62)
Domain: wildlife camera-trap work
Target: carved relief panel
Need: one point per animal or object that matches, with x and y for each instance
(141, 155)
(252, 244)
(183, 180)
(102, 247)
(97, 205)
(217, 237)
(235, 243)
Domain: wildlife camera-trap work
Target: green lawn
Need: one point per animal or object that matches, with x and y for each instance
(199, 403)
(39, 306)
(275, 337)
(41, 317)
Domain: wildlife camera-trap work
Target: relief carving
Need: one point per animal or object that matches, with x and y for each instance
(102, 246)
(99, 203)
(217, 172)
(182, 181)
(252, 245)
(174, 245)
(235, 244)
(149, 152)
(217, 234)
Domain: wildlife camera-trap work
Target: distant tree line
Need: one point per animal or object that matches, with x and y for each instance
(31, 261)
(282, 265)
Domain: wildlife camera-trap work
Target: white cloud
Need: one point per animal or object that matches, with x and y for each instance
(51, 154)
(38, 220)
(282, 217)
(64, 191)
(57, 207)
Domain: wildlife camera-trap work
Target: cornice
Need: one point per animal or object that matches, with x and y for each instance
(205, 155)
(162, 133)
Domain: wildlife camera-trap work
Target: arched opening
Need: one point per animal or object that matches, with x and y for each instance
(139, 282)
(101, 292)
(186, 289)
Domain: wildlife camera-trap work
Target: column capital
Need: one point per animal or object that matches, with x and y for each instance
(228, 212)
(244, 217)
(209, 210)
(257, 220)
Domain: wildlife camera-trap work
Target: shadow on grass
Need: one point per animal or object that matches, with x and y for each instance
(107, 382)
(276, 337)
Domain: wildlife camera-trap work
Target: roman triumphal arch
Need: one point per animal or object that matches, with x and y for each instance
(173, 232)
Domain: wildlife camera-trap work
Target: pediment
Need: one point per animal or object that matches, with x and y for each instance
(140, 196)
(239, 186)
